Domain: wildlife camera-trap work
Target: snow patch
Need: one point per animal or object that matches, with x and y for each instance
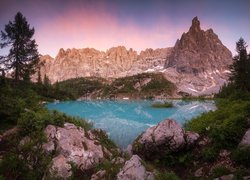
(192, 89)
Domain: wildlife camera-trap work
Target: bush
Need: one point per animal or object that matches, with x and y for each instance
(209, 154)
(32, 122)
(219, 171)
(242, 156)
(225, 126)
(163, 105)
(166, 175)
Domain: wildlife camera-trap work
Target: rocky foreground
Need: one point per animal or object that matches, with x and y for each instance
(198, 63)
(80, 153)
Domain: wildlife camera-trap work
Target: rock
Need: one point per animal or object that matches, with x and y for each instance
(118, 160)
(166, 132)
(204, 141)
(225, 177)
(128, 150)
(9, 133)
(168, 135)
(100, 175)
(224, 153)
(60, 167)
(134, 170)
(246, 178)
(198, 172)
(246, 139)
(74, 144)
(191, 137)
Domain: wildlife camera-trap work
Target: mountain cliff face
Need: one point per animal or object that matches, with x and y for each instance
(115, 62)
(197, 64)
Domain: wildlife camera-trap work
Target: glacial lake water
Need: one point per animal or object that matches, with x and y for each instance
(124, 120)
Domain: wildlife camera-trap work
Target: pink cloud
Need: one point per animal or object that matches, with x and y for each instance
(101, 30)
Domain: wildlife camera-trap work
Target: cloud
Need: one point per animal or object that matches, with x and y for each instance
(100, 29)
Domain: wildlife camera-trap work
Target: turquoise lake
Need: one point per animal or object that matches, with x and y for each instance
(124, 120)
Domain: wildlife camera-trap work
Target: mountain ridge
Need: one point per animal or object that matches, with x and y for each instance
(197, 64)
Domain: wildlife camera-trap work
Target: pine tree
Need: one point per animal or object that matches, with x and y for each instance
(240, 68)
(39, 78)
(46, 81)
(23, 55)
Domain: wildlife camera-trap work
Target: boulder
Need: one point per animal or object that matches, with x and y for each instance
(225, 177)
(198, 172)
(74, 145)
(60, 167)
(168, 136)
(134, 170)
(100, 175)
(118, 160)
(246, 139)
(191, 138)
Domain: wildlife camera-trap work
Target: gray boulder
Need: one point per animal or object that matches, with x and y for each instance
(134, 170)
(60, 167)
(73, 145)
(246, 139)
(168, 135)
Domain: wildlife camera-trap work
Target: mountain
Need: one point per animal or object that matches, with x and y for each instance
(197, 64)
(115, 62)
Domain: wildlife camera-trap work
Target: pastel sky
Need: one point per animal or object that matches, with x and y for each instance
(137, 24)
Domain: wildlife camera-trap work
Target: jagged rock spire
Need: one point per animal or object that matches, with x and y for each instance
(195, 27)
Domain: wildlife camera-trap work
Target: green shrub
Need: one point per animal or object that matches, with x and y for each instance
(166, 176)
(242, 156)
(111, 169)
(163, 105)
(225, 126)
(209, 154)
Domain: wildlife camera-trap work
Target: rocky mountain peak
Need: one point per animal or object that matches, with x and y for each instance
(198, 51)
(195, 27)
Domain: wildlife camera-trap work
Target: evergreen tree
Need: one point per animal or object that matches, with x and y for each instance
(240, 68)
(23, 55)
(46, 81)
(39, 78)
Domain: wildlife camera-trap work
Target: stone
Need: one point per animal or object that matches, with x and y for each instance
(168, 135)
(246, 139)
(166, 132)
(100, 175)
(134, 170)
(191, 137)
(198, 172)
(128, 150)
(74, 144)
(9, 133)
(60, 167)
(118, 160)
(204, 141)
(224, 153)
(225, 177)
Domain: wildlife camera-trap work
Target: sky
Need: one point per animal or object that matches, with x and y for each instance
(137, 24)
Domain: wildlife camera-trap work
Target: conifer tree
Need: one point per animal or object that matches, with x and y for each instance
(240, 69)
(23, 55)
